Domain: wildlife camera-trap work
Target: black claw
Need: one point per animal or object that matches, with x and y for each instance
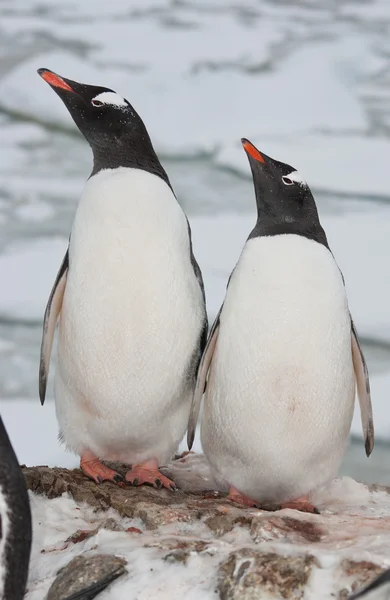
(135, 482)
(316, 511)
(99, 479)
(118, 478)
(174, 487)
(158, 483)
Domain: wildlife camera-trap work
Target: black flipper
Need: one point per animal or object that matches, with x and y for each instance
(53, 309)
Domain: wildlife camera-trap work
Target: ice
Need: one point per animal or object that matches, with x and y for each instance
(359, 241)
(24, 93)
(358, 238)
(353, 165)
(214, 107)
(35, 211)
(27, 273)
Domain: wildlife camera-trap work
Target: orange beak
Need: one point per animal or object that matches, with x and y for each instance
(54, 80)
(251, 150)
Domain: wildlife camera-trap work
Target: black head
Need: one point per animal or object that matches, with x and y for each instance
(284, 201)
(111, 126)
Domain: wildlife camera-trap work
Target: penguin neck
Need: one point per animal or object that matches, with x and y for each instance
(129, 153)
(269, 224)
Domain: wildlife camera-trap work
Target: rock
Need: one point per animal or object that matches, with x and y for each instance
(249, 574)
(223, 523)
(299, 530)
(154, 516)
(203, 524)
(354, 575)
(180, 550)
(84, 577)
(153, 507)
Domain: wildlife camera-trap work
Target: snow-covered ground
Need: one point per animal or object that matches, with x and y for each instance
(354, 525)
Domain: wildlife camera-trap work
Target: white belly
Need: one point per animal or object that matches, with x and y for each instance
(130, 322)
(280, 396)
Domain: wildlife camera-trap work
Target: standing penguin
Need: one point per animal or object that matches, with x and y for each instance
(130, 297)
(282, 355)
(15, 523)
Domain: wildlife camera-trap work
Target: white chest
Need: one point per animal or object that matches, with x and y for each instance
(285, 294)
(131, 297)
(281, 386)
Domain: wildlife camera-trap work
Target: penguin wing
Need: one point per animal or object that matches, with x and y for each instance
(53, 309)
(198, 275)
(201, 380)
(363, 390)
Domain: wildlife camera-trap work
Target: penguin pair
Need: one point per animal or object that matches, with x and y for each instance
(15, 523)
(282, 356)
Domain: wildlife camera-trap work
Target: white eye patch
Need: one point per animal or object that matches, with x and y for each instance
(293, 177)
(109, 98)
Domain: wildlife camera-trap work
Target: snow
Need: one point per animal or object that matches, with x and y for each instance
(356, 521)
(149, 576)
(339, 163)
(358, 238)
(193, 122)
(27, 272)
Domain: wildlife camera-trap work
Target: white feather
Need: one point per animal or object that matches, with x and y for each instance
(296, 177)
(111, 98)
(5, 528)
(280, 395)
(130, 323)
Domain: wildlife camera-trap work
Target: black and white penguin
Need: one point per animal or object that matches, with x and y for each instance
(130, 298)
(282, 356)
(15, 523)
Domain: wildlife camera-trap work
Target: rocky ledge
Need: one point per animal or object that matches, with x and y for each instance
(204, 545)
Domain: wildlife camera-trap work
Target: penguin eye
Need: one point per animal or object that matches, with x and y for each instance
(96, 102)
(287, 180)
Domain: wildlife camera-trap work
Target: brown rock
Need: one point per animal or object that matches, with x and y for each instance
(154, 516)
(154, 507)
(179, 549)
(224, 522)
(85, 577)
(250, 575)
(298, 530)
(355, 575)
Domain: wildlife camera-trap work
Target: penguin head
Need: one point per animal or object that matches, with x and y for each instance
(284, 201)
(113, 129)
(101, 114)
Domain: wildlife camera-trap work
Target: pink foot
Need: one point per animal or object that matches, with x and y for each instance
(301, 504)
(236, 496)
(148, 473)
(93, 468)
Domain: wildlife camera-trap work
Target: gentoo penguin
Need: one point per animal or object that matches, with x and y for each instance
(130, 300)
(282, 356)
(379, 589)
(15, 523)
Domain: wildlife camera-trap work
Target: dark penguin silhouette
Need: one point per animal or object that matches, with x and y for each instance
(15, 523)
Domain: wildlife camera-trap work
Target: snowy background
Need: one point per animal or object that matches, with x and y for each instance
(307, 81)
